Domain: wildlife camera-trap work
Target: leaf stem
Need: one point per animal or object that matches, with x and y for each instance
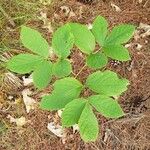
(80, 71)
(97, 50)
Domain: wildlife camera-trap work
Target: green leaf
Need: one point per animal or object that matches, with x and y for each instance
(65, 90)
(63, 41)
(120, 34)
(72, 112)
(107, 106)
(88, 124)
(57, 100)
(42, 75)
(97, 60)
(24, 63)
(33, 40)
(100, 30)
(84, 39)
(107, 83)
(62, 68)
(67, 84)
(51, 102)
(117, 52)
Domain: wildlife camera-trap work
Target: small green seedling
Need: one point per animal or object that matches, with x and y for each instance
(78, 110)
(66, 93)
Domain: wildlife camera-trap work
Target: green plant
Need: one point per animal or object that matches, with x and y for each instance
(39, 62)
(79, 110)
(110, 43)
(62, 42)
(66, 93)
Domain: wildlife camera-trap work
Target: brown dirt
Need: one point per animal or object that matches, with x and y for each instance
(129, 133)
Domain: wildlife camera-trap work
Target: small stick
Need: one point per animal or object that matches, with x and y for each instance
(80, 71)
(146, 3)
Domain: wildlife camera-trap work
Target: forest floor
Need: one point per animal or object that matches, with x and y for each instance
(22, 130)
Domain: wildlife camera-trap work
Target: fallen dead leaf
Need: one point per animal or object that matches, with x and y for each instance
(138, 46)
(46, 22)
(146, 28)
(147, 33)
(136, 35)
(11, 83)
(27, 81)
(56, 129)
(28, 101)
(75, 128)
(128, 45)
(80, 12)
(65, 10)
(115, 7)
(72, 14)
(19, 121)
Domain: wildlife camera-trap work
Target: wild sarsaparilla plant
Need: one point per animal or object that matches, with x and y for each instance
(106, 85)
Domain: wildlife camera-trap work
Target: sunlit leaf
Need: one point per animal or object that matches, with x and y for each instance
(107, 106)
(24, 63)
(33, 40)
(107, 83)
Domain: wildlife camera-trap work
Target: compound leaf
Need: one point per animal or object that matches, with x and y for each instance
(62, 68)
(100, 30)
(117, 52)
(97, 60)
(120, 34)
(65, 90)
(107, 83)
(24, 63)
(62, 41)
(83, 37)
(107, 106)
(72, 112)
(33, 40)
(42, 74)
(88, 124)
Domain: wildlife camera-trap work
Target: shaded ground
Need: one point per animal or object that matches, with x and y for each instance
(129, 133)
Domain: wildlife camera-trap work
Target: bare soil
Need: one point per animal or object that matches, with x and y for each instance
(131, 132)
